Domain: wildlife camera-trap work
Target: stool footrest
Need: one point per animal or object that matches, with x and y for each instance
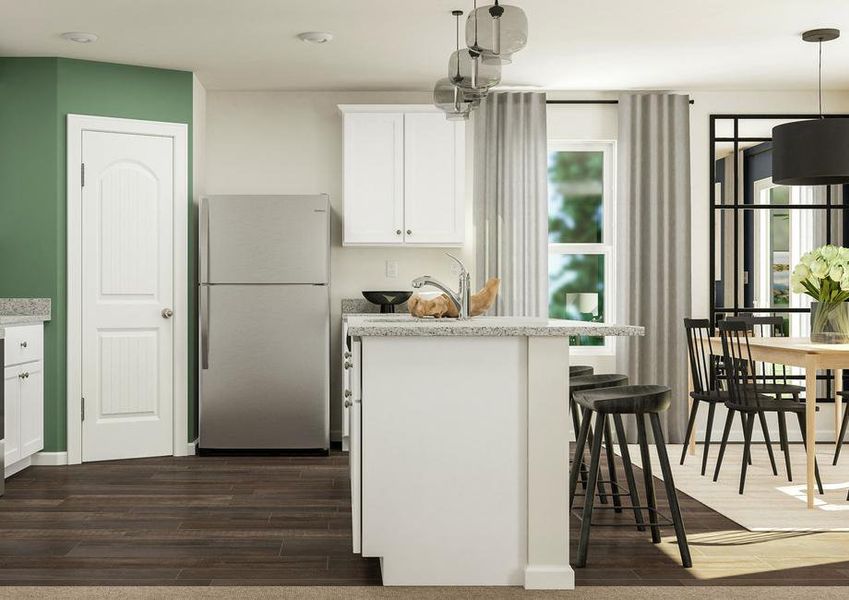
(664, 520)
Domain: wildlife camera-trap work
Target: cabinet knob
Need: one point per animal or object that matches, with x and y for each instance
(347, 404)
(348, 364)
(23, 375)
(23, 344)
(347, 355)
(347, 393)
(409, 232)
(398, 232)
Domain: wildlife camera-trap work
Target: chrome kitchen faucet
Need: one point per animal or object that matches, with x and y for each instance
(462, 298)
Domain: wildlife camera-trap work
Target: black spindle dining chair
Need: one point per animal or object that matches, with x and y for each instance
(704, 365)
(745, 396)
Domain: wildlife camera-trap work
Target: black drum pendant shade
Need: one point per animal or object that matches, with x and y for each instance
(814, 152)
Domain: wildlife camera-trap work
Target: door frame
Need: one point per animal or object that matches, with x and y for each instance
(178, 132)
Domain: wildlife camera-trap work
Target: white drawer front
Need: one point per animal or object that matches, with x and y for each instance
(23, 344)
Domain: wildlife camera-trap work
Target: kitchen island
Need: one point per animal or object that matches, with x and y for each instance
(459, 447)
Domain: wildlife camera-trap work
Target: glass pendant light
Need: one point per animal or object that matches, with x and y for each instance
(467, 70)
(453, 101)
(447, 97)
(815, 151)
(497, 32)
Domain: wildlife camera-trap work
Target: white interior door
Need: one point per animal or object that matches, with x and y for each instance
(127, 263)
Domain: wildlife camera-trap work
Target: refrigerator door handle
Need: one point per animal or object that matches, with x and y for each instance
(204, 327)
(203, 234)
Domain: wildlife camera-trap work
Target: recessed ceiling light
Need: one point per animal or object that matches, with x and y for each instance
(80, 37)
(315, 37)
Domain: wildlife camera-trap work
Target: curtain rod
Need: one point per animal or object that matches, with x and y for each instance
(589, 101)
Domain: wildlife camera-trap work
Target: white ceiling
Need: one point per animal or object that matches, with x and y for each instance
(404, 44)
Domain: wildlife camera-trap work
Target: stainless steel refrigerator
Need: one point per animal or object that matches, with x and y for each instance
(264, 322)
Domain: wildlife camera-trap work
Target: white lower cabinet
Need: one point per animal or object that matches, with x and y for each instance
(12, 415)
(355, 456)
(23, 386)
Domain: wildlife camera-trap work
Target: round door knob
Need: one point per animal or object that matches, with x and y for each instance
(347, 404)
(347, 393)
(409, 232)
(398, 232)
(167, 313)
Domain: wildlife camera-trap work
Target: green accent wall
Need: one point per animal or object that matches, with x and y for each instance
(36, 95)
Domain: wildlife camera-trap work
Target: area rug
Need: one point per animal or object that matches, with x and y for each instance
(770, 503)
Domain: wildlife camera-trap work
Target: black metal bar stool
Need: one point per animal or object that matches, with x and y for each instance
(590, 382)
(641, 401)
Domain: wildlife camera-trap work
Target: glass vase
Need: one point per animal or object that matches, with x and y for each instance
(830, 322)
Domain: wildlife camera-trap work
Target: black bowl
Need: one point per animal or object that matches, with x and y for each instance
(387, 300)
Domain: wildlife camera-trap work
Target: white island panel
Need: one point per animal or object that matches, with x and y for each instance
(444, 459)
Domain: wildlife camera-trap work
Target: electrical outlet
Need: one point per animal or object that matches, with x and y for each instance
(391, 269)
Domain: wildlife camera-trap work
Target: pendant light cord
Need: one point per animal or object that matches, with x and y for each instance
(457, 43)
(820, 78)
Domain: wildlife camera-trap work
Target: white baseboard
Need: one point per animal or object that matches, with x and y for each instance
(192, 448)
(541, 577)
(50, 459)
(17, 467)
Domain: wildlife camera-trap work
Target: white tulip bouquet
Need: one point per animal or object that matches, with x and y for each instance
(823, 274)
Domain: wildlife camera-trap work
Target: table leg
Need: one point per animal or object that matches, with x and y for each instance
(692, 441)
(838, 402)
(811, 426)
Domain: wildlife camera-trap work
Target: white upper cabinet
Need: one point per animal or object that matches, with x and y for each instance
(374, 178)
(404, 176)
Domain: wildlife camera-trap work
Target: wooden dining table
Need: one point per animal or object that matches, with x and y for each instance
(801, 352)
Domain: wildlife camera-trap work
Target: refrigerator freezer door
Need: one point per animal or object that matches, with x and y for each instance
(264, 239)
(266, 383)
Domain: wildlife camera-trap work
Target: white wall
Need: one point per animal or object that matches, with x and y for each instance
(291, 143)
(198, 137)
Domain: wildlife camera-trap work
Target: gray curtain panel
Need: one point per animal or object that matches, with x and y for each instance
(653, 242)
(511, 200)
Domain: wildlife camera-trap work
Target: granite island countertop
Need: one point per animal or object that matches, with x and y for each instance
(407, 325)
(23, 311)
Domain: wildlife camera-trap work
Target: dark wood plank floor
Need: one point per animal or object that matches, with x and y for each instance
(286, 521)
(182, 521)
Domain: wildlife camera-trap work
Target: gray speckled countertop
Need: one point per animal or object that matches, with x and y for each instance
(406, 326)
(21, 311)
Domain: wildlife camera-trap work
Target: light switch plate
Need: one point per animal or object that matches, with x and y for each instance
(391, 269)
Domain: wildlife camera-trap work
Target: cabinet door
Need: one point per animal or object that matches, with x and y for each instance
(32, 409)
(355, 454)
(12, 416)
(374, 178)
(434, 186)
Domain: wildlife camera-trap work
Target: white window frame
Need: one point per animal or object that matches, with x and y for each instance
(607, 247)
